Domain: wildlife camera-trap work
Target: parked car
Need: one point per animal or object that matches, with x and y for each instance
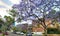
(28, 34)
(14, 32)
(21, 33)
(5, 33)
(38, 33)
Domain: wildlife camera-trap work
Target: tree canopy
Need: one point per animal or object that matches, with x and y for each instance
(32, 9)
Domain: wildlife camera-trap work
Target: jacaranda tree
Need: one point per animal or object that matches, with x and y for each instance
(32, 9)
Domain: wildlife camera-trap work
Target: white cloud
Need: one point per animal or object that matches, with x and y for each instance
(3, 12)
(15, 1)
(5, 5)
(29, 21)
(24, 22)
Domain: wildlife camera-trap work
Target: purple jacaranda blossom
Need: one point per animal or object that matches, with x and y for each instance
(33, 8)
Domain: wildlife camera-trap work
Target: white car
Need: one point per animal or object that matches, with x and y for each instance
(21, 33)
(38, 33)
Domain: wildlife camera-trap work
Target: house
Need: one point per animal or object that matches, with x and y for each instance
(22, 26)
(37, 27)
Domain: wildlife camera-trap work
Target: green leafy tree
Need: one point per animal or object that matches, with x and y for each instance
(9, 21)
(2, 26)
(1, 22)
(14, 14)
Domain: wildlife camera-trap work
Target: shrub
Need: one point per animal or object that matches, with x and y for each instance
(53, 31)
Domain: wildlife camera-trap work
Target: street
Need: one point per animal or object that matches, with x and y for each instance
(10, 34)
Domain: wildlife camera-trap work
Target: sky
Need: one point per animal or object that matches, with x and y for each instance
(6, 5)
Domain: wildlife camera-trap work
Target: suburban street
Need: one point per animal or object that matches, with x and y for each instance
(11, 34)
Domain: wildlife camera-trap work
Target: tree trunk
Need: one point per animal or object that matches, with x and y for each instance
(45, 32)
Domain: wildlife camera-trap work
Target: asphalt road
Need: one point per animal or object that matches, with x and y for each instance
(21, 35)
(15, 35)
(11, 34)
